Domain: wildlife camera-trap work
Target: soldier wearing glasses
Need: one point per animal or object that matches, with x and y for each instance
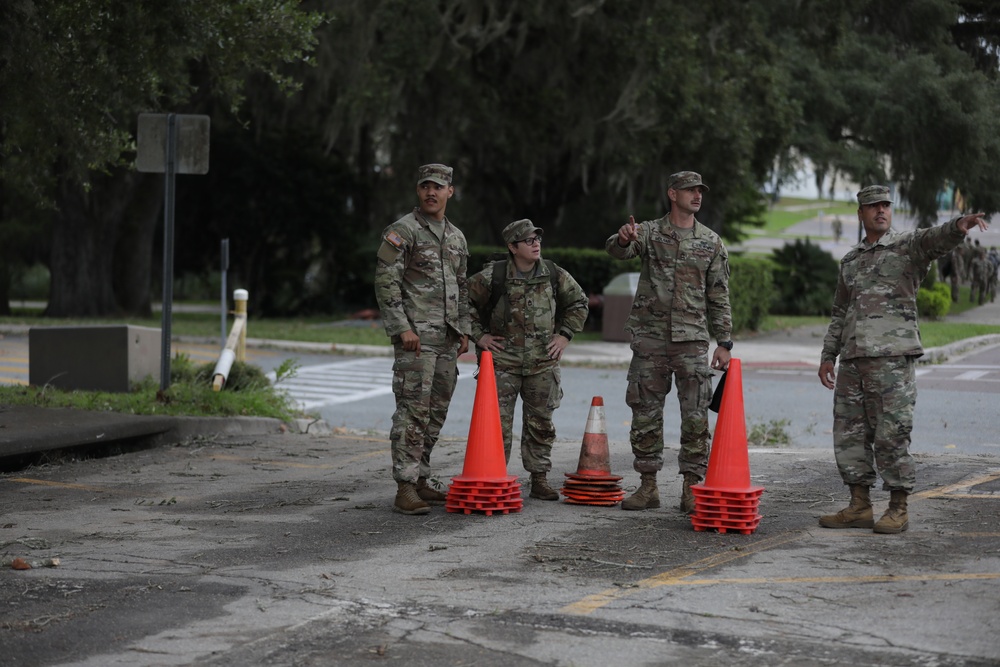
(539, 309)
(683, 288)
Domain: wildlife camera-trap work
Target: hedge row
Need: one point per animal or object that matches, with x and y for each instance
(751, 286)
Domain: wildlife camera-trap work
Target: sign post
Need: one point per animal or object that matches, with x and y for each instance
(225, 268)
(170, 144)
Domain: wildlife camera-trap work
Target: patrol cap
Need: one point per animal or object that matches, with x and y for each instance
(683, 180)
(520, 230)
(873, 194)
(436, 173)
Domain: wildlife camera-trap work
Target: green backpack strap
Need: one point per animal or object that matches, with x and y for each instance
(498, 289)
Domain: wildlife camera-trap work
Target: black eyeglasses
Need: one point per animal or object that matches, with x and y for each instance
(531, 240)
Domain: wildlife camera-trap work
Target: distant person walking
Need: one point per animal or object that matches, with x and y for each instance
(683, 290)
(420, 283)
(838, 229)
(874, 332)
(951, 268)
(993, 257)
(980, 274)
(525, 310)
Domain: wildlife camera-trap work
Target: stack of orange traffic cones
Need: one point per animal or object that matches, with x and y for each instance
(726, 501)
(484, 485)
(593, 483)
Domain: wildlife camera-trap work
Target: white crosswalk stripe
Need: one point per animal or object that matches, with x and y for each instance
(339, 382)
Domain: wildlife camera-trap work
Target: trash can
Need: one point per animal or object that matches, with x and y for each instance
(618, 296)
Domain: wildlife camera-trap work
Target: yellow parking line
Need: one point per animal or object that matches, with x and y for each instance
(295, 464)
(62, 485)
(864, 579)
(594, 602)
(682, 576)
(949, 490)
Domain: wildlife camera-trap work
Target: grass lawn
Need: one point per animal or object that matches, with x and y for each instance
(343, 332)
(788, 212)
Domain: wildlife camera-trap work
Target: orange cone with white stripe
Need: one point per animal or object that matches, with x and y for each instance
(593, 483)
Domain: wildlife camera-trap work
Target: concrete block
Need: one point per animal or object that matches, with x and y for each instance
(93, 358)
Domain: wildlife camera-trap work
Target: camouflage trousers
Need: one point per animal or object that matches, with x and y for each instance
(872, 419)
(540, 395)
(956, 283)
(980, 286)
(654, 364)
(423, 387)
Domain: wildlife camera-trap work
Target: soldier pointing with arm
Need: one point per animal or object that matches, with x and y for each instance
(683, 289)
(874, 331)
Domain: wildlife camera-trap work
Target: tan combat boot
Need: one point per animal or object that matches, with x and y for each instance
(856, 515)
(687, 496)
(429, 494)
(647, 497)
(540, 487)
(407, 500)
(894, 520)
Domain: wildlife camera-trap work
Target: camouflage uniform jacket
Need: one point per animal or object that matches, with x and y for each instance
(420, 281)
(528, 315)
(875, 304)
(691, 274)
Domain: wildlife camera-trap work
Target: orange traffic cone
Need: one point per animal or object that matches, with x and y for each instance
(484, 485)
(726, 501)
(593, 483)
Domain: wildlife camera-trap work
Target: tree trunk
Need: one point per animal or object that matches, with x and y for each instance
(4, 288)
(5, 270)
(86, 234)
(133, 270)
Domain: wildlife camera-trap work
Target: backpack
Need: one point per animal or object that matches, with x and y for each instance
(498, 287)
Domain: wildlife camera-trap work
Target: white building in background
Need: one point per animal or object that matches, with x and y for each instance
(803, 186)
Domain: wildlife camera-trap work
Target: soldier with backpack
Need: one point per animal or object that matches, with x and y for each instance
(524, 310)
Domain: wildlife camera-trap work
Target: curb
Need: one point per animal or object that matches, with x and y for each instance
(938, 355)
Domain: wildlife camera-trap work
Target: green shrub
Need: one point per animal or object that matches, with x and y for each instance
(934, 303)
(750, 287)
(806, 278)
(751, 291)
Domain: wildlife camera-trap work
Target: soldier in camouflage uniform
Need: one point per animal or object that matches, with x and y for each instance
(526, 333)
(683, 290)
(953, 269)
(993, 259)
(979, 275)
(420, 283)
(874, 331)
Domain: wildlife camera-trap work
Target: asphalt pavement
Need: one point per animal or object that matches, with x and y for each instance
(244, 541)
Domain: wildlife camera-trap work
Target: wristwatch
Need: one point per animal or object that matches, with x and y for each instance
(728, 344)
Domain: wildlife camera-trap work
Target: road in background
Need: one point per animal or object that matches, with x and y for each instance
(955, 407)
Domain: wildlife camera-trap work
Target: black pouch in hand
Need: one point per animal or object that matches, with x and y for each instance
(717, 396)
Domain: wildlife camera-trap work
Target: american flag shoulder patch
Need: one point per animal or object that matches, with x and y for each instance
(394, 239)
